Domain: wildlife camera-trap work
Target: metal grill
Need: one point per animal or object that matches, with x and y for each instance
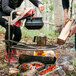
(30, 47)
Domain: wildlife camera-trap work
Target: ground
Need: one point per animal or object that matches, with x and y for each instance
(62, 53)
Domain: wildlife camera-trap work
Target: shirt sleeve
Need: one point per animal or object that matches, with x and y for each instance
(65, 4)
(5, 6)
(36, 2)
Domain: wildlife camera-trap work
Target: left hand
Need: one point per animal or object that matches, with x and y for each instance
(72, 30)
(41, 7)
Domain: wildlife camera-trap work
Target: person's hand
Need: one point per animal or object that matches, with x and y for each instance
(41, 7)
(20, 13)
(66, 17)
(72, 30)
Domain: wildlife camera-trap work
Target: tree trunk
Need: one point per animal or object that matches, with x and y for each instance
(58, 14)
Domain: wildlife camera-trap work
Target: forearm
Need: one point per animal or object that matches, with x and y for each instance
(5, 6)
(65, 12)
(65, 4)
(35, 2)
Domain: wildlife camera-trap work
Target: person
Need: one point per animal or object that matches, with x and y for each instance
(5, 10)
(65, 4)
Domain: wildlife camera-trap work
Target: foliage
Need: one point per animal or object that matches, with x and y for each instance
(48, 11)
(72, 74)
(50, 33)
(74, 5)
(74, 62)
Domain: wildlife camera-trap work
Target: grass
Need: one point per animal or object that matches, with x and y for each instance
(50, 33)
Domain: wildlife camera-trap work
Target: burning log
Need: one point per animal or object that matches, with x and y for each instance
(43, 59)
(65, 32)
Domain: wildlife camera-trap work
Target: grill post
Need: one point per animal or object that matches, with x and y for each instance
(75, 37)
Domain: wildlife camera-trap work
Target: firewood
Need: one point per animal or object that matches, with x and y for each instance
(65, 32)
(30, 58)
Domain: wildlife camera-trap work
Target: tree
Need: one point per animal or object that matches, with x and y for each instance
(58, 13)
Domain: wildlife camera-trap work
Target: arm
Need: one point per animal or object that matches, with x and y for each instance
(7, 9)
(35, 2)
(38, 4)
(5, 6)
(65, 4)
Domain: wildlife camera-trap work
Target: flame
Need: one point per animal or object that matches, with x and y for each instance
(43, 53)
(37, 53)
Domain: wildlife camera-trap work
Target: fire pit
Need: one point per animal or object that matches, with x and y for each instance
(42, 62)
(44, 65)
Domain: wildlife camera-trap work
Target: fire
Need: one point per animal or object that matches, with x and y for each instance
(28, 66)
(45, 53)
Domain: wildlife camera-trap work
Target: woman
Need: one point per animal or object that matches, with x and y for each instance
(7, 7)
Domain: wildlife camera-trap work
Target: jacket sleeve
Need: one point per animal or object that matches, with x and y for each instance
(5, 6)
(65, 4)
(36, 2)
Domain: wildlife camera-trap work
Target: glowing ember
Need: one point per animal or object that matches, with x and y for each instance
(28, 66)
(48, 69)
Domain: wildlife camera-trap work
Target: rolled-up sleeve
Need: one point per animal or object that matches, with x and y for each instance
(5, 6)
(65, 4)
(36, 2)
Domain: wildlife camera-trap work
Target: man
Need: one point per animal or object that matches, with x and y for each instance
(65, 4)
(7, 7)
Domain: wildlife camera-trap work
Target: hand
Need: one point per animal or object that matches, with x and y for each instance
(20, 13)
(66, 17)
(41, 7)
(72, 30)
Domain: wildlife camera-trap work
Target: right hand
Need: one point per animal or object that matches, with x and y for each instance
(41, 7)
(20, 13)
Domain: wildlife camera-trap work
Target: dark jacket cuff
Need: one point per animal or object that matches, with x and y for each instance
(36, 2)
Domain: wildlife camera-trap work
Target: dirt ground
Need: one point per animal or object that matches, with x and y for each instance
(61, 53)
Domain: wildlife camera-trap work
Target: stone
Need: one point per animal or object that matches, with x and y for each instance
(13, 71)
(33, 72)
(70, 68)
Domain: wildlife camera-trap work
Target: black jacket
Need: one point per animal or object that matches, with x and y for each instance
(9, 5)
(65, 4)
